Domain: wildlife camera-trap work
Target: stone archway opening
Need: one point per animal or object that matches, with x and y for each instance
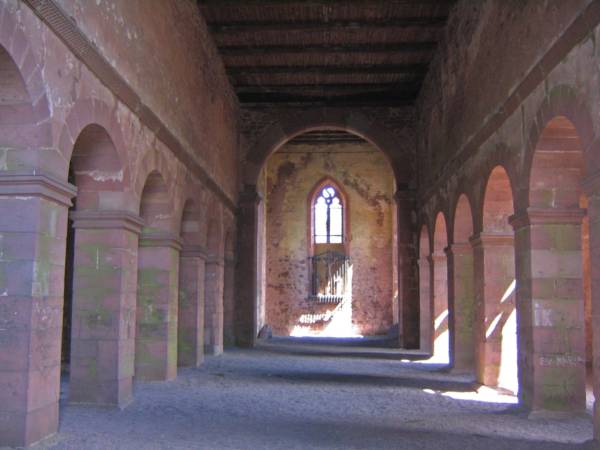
(190, 322)
(425, 293)
(497, 320)
(327, 239)
(441, 330)
(462, 302)
(556, 230)
(213, 286)
(93, 309)
(157, 286)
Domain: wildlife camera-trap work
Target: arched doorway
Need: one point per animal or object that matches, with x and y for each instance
(497, 321)
(441, 331)
(329, 199)
(158, 280)
(551, 294)
(190, 322)
(462, 302)
(425, 293)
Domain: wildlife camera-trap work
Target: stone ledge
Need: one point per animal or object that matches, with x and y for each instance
(546, 216)
(161, 239)
(194, 251)
(15, 184)
(106, 220)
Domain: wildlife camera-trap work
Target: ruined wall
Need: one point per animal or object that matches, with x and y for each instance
(366, 178)
(164, 51)
(472, 75)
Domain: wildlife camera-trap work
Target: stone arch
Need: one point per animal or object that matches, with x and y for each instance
(497, 201)
(463, 220)
(191, 228)
(155, 204)
(96, 168)
(98, 125)
(24, 108)
(561, 101)
(351, 121)
(312, 195)
(27, 87)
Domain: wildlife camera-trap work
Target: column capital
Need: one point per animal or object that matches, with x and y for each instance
(160, 239)
(491, 239)
(551, 216)
(107, 220)
(194, 251)
(36, 184)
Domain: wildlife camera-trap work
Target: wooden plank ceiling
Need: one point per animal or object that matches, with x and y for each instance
(319, 52)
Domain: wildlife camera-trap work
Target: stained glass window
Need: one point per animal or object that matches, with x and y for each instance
(329, 217)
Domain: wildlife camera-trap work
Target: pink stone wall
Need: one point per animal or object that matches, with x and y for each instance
(366, 178)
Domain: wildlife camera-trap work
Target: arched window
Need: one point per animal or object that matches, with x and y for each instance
(328, 217)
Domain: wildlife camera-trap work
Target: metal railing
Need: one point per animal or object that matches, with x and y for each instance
(329, 277)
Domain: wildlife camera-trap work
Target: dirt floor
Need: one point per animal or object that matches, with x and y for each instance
(259, 399)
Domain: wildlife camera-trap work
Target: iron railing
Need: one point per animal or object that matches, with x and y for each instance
(329, 277)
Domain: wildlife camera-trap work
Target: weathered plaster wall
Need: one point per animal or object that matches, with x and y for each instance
(365, 175)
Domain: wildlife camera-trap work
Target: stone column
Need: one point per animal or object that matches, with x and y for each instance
(190, 330)
(408, 296)
(494, 274)
(592, 189)
(461, 303)
(550, 309)
(213, 309)
(229, 301)
(158, 278)
(33, 229)
(426, 304)
(246, 278)
(104, 302)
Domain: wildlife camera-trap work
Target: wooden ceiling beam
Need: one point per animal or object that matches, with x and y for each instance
(409, 69)
(261, 50)
(320, 3)
(381, 98)
(286, 26)
(408, 85)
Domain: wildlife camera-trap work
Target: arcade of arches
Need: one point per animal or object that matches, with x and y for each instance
(166, 199)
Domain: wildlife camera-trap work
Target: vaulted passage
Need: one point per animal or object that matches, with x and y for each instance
(299, 224)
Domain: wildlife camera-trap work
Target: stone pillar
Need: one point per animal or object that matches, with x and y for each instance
(246, 278)
(229, 301)
(33, 229)
(494, 274)
(156, 336)
(550, 309)
(408, 296)
(426, 304)
(213, 309)
(190, 330)
(461, 303)
(104, 302)
(592, 190)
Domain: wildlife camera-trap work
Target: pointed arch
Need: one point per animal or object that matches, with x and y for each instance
(313, 197)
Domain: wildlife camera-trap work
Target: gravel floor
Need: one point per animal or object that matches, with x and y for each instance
(256, 399)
